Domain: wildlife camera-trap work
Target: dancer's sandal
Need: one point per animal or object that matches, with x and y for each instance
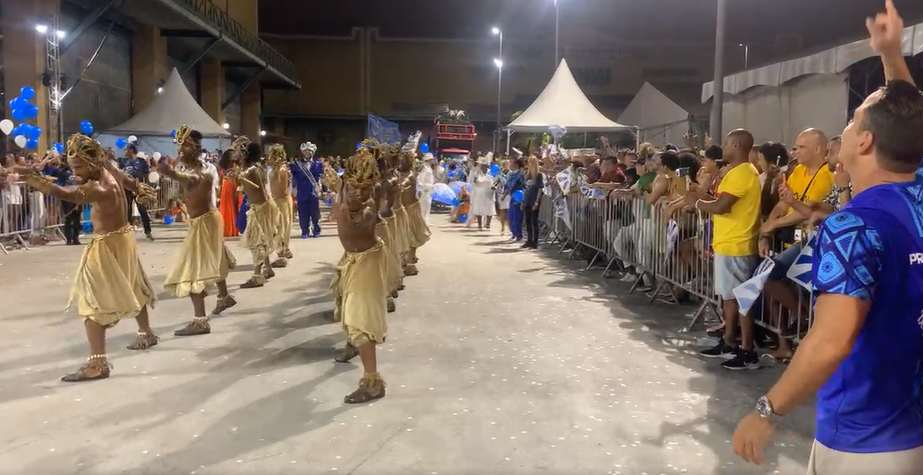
(269, 273)
(198, 326)
(143, 341)
(369, 389)
(391, 306)
(279, 263)
(96, 367)
(252, 284)
(223, 304)
(411, 270)
(346, 354)
(288, 254)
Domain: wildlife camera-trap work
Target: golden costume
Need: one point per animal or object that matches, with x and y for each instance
(260, 235)
(419, 231)
(284, 221)
(360, 290)
(110, 283)
(402, 231)
(203, 259)
(384, 230)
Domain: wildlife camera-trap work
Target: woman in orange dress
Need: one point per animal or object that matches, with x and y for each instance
(229, 199)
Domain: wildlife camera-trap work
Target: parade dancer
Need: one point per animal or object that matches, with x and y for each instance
(359, 286)
(203, 260)
(110, 283)
(418, 232)
(261, 217)
(388, 193)
(280, 187)
(307, 172)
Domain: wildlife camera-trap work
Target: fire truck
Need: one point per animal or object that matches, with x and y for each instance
(455, 135)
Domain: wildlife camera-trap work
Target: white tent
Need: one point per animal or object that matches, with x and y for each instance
(169, 110)
(563, 104)
(659, 118)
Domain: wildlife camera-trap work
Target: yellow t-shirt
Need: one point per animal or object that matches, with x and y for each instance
(736, 233)
(806, 190)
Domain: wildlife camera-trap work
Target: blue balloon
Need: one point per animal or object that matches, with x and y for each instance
(17, 103)
(518, 196)
(32, 144)
(19, 114)
(26, 130)
(494, 170)
(34, 132)
(27, 93)
(173, 133)
(121, 143)
(16, 131)
(59, 147)
(31, 111)
(86, 127)
(424, 147)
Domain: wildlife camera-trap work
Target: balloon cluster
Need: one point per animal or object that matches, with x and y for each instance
(25, 135)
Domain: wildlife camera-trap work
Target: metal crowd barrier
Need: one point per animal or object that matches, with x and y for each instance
(26, 213)
(669, 244)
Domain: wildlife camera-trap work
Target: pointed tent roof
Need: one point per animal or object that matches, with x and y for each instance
(170, 109)
(651, 107)
(564, 104)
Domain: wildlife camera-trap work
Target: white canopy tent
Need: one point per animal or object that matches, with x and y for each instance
(777, 101)
(563, 104)
(659, 119)
(168, 111)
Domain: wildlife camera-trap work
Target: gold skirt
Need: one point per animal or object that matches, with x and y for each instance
(360, 291)
(392, 265)
(419, 231)
(402, 230)
(261, 227)
(203, 259)
(110, 283)
(284, 221)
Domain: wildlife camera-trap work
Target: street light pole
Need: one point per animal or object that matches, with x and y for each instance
(746, 47)
(498, 61)
(717, 102)
(557, 51)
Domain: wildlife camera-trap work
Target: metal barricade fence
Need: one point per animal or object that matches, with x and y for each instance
(26, 213)
(672, 245)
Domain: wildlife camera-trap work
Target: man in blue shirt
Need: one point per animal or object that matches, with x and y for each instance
(137, 168)
(306, 174)
(864, 353)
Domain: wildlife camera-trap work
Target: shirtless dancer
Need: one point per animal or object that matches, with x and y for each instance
(359, 286)
(280, 187)
(261, 217)
(388, 194)
(110, 283)
(419, 232)
(203, 260)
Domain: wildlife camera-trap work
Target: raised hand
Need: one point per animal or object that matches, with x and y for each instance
(886, 30)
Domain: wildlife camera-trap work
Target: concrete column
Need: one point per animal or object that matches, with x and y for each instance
(717, 101)
(251, 111)
(24, 53)
(211, 92)
(149, 65)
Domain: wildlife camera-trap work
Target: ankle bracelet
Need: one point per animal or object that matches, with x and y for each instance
(96, 357)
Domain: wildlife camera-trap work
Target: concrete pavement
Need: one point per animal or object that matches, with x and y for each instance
(498, 361)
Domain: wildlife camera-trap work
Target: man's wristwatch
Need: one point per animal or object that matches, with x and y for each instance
(764, 409)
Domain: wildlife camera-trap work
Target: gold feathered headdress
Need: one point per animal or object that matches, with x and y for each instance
(84, 148)
(276, 155)
(240, 144)
(182, 134)
(361, 169)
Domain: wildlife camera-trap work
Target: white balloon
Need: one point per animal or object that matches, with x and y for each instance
(20, 141)
(156, 155)
(132, 139)
(6, 126)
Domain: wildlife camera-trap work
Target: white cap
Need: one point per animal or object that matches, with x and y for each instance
(308, 147)
(142, 155)
(428, 157)
(485, 160)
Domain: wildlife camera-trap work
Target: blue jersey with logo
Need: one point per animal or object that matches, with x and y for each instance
(873, 250)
